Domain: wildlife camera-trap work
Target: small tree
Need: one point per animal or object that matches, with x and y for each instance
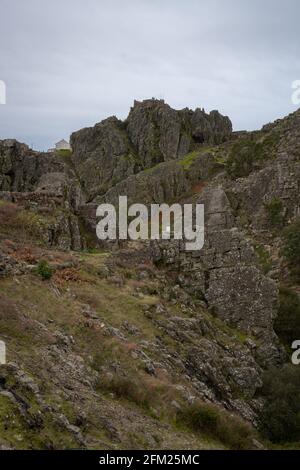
(275, 212)
(241, 159)
(287, 323)
(280, 417)
(291, 246)
(218, 424)
(44, 269)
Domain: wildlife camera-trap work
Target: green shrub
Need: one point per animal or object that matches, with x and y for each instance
(287, 323)
(189, 159)
(246, 154)
(63, 152)
(243, 157)
(275, 212)
(128, 389)
(291, 245)
(220, 425)
(44, 269)
(264, 258)
(115, 180)
(201, 417)
(280, 416)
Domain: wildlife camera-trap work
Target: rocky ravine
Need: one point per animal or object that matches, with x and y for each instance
(195, 325)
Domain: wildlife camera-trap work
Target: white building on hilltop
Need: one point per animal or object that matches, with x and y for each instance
(61, 145)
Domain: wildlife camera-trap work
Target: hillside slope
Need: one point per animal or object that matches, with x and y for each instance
(133, 345)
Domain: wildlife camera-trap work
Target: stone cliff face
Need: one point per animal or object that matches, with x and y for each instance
(225, 274)
(43, 182)
(153, 133)
(103, 155)
(21, 168)
(278, 179)
(204, 319)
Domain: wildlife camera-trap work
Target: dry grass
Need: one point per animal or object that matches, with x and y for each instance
(218, 424)
(20, 223)
(63, 276)
(16, 325)
(149, 393)
(9, 214)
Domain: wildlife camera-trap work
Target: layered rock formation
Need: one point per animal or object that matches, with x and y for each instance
(202, 320)
(225, 274)
(21, 168)
(153, 133)
(43, 182)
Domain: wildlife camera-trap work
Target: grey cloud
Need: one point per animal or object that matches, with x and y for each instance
(70, 63)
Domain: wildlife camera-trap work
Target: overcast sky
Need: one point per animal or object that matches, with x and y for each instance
(68, 64)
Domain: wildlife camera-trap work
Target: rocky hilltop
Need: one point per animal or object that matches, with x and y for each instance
(152, 133)
(124, 345)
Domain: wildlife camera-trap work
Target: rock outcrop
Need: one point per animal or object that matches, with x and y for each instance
(43, 182)
(200, 321)
(159, 133)
(21, 167)
(279, 178)
(225, 274)
(103, 155)
(153, 133)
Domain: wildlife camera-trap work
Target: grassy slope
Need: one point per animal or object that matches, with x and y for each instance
(60, 335)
